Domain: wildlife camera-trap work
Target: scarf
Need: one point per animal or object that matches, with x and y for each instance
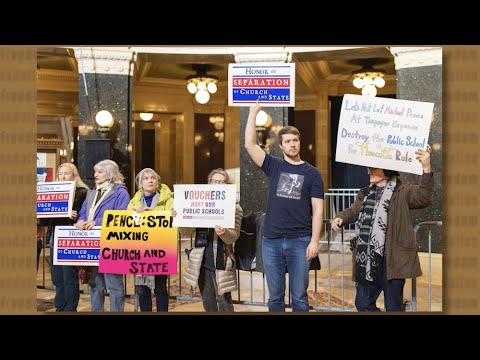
(220, 262)
(106, 188)
(219, 259)
(371, 228)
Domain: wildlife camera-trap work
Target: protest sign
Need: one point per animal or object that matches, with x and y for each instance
(138, 243)
(382, 132)
(55, 199)
(205, 205)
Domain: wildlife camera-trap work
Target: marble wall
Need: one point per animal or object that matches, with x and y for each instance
(253, 182)
(104, 92)
(425, 84)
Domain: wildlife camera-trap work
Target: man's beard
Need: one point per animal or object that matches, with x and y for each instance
(292, 157)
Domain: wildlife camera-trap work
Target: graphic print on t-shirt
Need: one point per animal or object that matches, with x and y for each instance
(290, 186)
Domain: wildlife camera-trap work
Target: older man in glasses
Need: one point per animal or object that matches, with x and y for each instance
(384, 249)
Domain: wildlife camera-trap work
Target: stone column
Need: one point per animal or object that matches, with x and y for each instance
(253, 182)
(419, 78)
(105, 83)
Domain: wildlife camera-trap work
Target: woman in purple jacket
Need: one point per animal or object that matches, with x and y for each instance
(109, 193)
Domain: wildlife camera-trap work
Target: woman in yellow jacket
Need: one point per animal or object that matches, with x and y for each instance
(155, 196)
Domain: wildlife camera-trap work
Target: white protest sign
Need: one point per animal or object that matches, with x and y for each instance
(204, 205)
(273, 84)
(55, 199)
(382, 132)
(72, 246)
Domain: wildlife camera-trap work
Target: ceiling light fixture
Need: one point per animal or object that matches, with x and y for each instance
(201, 84)
(368, 79)
(146, 116)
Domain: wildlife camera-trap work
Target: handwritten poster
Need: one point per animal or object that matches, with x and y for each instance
(138, 243)
(382, 132)
(273, 84)
(72, 246)
(204, 205)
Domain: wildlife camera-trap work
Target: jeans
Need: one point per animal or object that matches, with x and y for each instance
(212, 301)
(367, 294)
(161, 295)
(114, 284)
(279, 255)
(39, 251)
(67, 288)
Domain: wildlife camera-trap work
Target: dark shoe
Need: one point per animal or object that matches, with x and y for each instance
(58, 310)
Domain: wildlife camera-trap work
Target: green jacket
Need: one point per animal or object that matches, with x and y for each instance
(165, 200)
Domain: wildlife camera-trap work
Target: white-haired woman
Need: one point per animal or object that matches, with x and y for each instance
(109, 193)
(155, 196)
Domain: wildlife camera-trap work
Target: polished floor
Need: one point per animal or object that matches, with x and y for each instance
(330, 288)
(46, 294)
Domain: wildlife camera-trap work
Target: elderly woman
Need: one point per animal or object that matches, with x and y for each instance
(211, 265)
(155, 196)
(109, 193)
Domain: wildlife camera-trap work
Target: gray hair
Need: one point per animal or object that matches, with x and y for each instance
(138, 178)
(221, 172)
(110, 167)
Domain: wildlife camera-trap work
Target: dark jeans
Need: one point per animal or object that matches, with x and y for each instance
(161, 295)
(367, 295)
(212, 301)
(67, 288)
(39, 251)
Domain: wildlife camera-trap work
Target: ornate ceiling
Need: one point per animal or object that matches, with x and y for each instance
(57, 85)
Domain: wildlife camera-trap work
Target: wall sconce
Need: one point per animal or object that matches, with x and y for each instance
(104, 120)
(262, 122)
(146, 116)
(201, 84)
(368, 78)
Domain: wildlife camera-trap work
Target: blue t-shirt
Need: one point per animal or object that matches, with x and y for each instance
(290, 191)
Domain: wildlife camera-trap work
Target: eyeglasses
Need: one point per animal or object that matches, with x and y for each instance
(218, 181)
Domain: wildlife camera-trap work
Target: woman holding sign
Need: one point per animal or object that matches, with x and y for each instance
(64, 277)
(155, 196)
(211, 263)
(109, 194)
(384, 250)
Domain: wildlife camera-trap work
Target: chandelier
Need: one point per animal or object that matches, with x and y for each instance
(201, 84)
(368, 79)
